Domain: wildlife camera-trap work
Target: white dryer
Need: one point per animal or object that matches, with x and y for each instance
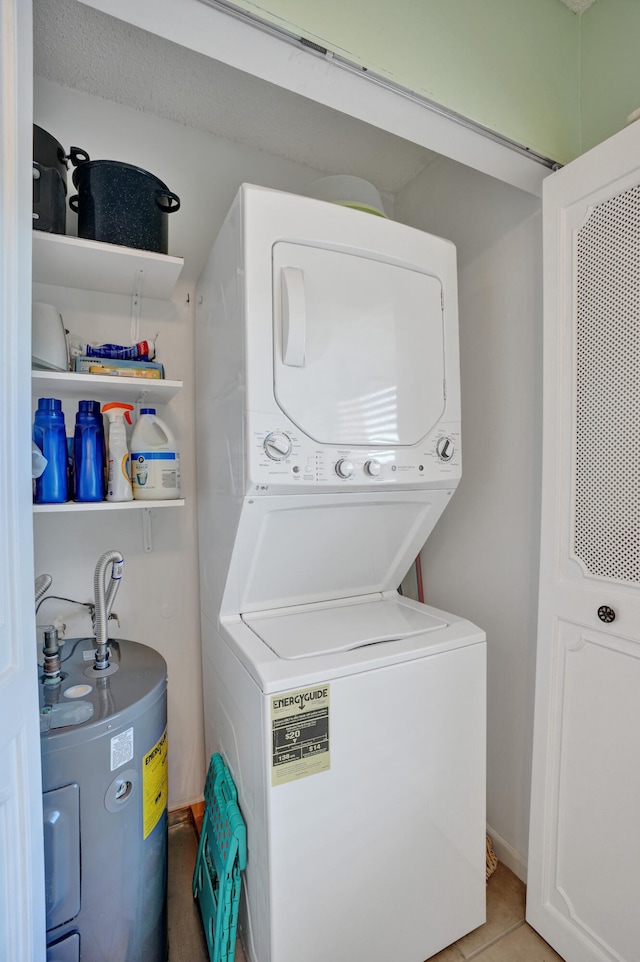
(328, 444)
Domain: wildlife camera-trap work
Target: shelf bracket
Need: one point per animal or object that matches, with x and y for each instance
(136, 304)
(147, 539)
(142, 395)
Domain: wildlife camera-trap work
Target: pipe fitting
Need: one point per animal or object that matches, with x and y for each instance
(51, 652)
(103, 600)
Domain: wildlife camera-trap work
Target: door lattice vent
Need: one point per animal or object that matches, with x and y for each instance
(607, 443)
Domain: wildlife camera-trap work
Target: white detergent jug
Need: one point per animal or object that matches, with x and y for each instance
(155, 461)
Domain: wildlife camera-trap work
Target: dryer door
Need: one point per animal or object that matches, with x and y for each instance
(359, 346)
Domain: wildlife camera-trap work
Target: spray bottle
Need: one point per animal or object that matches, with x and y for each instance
(119, 478)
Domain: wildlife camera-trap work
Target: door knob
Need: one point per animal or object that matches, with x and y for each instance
(606, 614)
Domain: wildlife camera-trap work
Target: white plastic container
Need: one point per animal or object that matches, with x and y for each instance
(349, 192)
(155, 460)
(119, 476)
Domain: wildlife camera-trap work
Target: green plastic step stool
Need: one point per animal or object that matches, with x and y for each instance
(222, 856)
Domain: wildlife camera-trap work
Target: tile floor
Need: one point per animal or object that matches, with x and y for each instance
(505, 937)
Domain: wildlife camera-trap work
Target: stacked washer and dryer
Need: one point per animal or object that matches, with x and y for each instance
(352, 718)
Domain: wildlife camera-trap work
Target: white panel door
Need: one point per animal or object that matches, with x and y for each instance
(584, 850)
(22, 925)
(359, 346)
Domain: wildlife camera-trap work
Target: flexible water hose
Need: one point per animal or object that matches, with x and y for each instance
(104, 602)
(42, 585)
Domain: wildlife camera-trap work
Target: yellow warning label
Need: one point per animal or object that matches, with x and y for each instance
(300, 734)
(155, 785)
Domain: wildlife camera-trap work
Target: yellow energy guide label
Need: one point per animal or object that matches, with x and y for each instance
(155, 785)
(300, 734)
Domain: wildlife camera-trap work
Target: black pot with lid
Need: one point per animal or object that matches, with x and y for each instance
(120, 203)
(50, 165)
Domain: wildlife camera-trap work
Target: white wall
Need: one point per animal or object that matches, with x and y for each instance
(158, 599)
(482, 559)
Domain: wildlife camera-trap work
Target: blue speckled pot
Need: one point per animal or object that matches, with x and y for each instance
(121, 204)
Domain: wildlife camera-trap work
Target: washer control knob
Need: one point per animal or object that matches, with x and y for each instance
(277, 446)
(444, 448)
(344, 468)
(372, 468)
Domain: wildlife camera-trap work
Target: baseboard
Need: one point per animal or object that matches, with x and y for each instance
(178, 816)
(507, 855)
(197, 813)
(185, 803)
(191, 813)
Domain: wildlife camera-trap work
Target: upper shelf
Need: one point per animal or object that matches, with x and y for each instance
(94, 266)
(74, 387)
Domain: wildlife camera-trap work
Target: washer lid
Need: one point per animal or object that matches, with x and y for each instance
(323, 630)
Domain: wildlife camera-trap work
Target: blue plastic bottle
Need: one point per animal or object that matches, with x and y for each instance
(51, 437)
(88, 453)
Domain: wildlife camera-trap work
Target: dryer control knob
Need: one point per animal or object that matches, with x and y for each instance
(344, 468)
(372, 468)
(444, 448)
(277, 446)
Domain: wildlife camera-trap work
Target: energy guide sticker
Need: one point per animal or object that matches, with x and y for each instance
(154, 785)
(300, 734)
